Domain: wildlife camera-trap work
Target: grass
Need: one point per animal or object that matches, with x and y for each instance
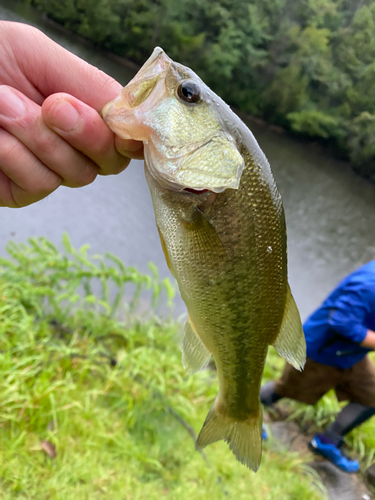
(84, 378)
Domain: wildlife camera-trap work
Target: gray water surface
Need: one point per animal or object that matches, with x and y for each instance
(330, 210)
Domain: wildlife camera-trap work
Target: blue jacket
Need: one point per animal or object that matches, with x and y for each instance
(335, 330)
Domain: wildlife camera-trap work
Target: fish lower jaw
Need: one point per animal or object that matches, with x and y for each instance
(197, 191)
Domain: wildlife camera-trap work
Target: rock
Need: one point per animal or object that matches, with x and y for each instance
(339, 485)
(286, 435)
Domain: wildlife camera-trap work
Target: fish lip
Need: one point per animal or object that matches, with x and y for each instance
(157, 62)
(154, 68)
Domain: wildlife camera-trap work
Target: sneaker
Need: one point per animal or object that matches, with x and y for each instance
(264, 433)
(333, 454)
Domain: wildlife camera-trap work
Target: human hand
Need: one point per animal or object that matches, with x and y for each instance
(51, 133)
(369, 340)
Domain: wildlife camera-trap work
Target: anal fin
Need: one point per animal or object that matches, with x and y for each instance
(290, 342)
(195, 355)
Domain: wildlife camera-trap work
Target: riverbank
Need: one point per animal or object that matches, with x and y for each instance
(90, 44)
(287, 69)
(286, 434)
(127, 63)
(330, 211)
(246, 117)
(94, 406)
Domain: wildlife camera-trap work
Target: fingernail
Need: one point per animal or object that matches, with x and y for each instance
(11, 106)
(64, 116)
(131, 145)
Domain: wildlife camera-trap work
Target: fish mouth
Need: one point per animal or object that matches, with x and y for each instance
(197, 191)
(119, 114)
(157, 63)
(142, 85)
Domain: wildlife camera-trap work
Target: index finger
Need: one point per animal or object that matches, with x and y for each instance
(49, 68)
(83, 128)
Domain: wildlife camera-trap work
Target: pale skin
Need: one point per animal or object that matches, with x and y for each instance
(51, 133)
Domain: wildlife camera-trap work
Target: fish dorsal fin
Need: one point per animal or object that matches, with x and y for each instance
(290, 342)
(195, 355)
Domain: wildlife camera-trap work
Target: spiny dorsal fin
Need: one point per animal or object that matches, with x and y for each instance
(290, 342)
(195, 355)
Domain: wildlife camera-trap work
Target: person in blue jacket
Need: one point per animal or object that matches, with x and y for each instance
(339, 334)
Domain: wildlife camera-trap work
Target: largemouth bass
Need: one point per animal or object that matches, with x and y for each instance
(222, 228)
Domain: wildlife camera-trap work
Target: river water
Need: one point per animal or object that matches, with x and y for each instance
(330, 210)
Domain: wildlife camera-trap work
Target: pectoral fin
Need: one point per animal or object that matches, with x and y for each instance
(200, 238)
(165, 251)
(290, 342)
(195, 355)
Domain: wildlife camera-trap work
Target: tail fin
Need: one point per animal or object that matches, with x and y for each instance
(243, 436)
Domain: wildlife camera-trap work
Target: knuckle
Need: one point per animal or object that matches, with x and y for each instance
(43, 183)
(47, 141)
(6, 196)
(36, 179)
(107, 81)
(49, 182)
(88, 177)
(9, 149)
(97, 150)
(84, 174)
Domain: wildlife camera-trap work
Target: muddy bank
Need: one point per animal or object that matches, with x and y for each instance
(287, 435)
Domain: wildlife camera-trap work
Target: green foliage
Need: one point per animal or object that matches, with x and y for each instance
(362, 145)
(315, 123)
(110, 395)
(61, 279)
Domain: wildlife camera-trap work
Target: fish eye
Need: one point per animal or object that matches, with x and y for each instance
(189, 91)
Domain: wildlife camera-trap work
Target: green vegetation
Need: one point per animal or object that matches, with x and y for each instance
(307, 65)
(82, 373)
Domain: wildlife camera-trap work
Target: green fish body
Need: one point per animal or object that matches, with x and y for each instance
(222, 229)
